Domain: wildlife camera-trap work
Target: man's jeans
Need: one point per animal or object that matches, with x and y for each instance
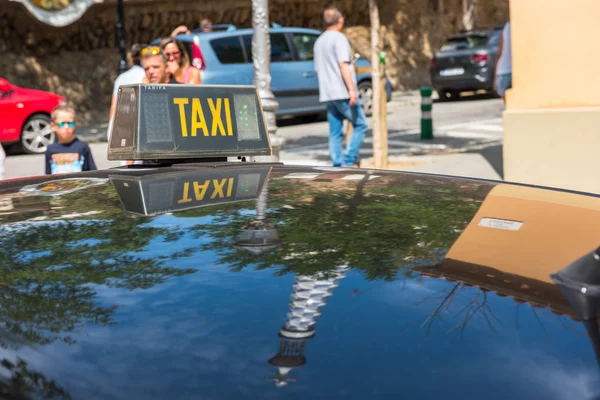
(337, 112)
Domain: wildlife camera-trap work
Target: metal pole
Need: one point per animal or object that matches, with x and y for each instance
(261, 59)
(121, 37)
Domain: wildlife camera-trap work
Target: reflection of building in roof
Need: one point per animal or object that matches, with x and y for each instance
(517, 260)
(309, 296)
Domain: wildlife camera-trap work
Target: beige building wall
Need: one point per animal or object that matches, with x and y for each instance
(552, 120)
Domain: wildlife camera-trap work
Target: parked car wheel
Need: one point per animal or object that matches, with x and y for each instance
(37, 134)
(365, 94)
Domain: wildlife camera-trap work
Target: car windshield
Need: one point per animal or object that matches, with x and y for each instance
(465, 42)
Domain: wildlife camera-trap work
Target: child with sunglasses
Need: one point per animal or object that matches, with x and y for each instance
(69, 154)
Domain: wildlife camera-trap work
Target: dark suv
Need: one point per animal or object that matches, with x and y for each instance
(466, 63)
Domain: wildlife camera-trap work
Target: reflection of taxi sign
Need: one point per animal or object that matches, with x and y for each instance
(156, 192)
(170, 122)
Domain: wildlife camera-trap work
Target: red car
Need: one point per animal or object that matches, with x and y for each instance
(25, 116)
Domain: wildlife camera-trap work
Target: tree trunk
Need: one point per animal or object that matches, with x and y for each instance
(379, 150)
(468, 19)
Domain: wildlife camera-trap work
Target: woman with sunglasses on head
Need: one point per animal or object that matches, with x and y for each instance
(178, 62)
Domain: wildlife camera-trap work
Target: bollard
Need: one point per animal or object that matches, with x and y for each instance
(426, 118)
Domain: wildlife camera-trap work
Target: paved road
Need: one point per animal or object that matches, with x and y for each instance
(472, 125)
(466, 126)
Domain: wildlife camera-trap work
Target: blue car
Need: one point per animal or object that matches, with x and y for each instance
(226, 58)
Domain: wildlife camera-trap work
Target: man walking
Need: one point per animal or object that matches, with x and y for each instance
(338, 89)
(503, 79)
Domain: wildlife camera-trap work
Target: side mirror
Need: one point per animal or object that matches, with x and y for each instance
(5, 87)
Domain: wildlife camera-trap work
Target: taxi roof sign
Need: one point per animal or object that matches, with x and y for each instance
(170, 122)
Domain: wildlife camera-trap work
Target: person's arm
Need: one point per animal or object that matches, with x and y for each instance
(179, 30)
(347, 77)
(89, 160)
(500, 49)
(343, 56)
(113, 104)
(194, 77)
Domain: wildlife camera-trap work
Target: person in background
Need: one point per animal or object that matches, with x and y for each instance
(154, 63)
(135, 74)
(196, 53)
(69, 154)
(503, 69)
(338, 89)
(206, 25)
(178, 62)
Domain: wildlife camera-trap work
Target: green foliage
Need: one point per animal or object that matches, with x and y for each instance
(376, 228)
(49, 270)
(24, 384)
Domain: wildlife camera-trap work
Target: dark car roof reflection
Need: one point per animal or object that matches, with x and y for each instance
(181, 277)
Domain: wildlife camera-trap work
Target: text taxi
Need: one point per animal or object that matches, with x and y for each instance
(158, 122)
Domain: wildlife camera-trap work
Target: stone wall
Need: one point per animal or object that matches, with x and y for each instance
(80, 61)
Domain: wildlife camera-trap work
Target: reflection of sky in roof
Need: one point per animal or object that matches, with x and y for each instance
(210, 335)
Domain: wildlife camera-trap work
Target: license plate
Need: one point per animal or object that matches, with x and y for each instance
(452, 72)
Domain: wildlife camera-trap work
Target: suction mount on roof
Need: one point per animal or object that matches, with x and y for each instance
(227, 28)
(579, 282)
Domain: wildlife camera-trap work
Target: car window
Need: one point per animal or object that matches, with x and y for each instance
(494, 38)
(280, 51)
(305, 44)
(464, 42)
(228, 50)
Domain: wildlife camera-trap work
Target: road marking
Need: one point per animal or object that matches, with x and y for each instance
(445, 130)
(485, 127)
(468, 135)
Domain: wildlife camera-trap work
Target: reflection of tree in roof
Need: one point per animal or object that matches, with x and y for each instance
(48, 272)
(23, 383)
(369, 226)
(460, 304)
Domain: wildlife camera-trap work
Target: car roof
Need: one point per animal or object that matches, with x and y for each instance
(475, 32)
(253, 280)
(240, 32)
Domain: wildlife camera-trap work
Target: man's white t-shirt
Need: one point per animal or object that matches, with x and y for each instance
(331, 49)
(133, 75)
(505, 62)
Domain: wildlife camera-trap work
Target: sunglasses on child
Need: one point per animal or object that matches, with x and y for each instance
(70, 124)
(150, 50)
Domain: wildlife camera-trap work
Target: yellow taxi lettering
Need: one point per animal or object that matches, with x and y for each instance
(230, 186)
(186, 192)
(228, 118)
(198, 121)
(181, 102)
(218, 188)
(201, 190)
(216, 116)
